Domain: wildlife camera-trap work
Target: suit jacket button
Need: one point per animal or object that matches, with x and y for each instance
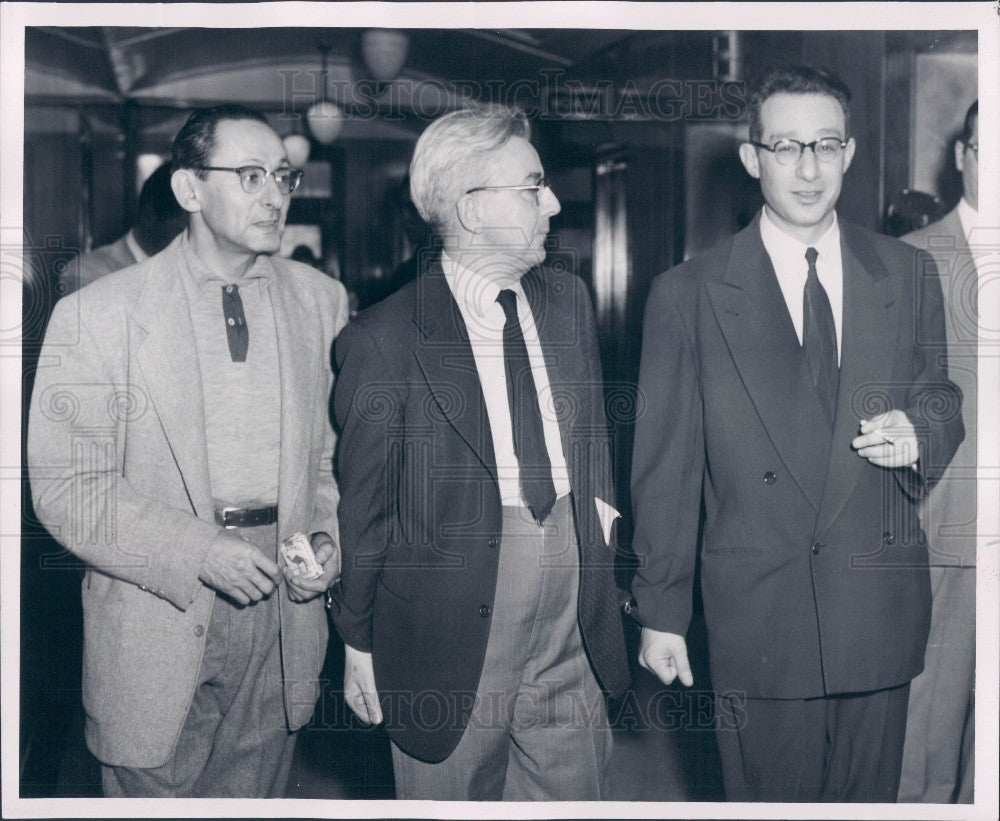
(888, 538)
(494, 542)
(770, 478)
(816, 548)
(199, 631)
(484, 610)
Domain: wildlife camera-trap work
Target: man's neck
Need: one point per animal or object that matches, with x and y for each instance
(229, 266)
(497, 268)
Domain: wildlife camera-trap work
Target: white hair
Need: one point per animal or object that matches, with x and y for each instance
(448, 151)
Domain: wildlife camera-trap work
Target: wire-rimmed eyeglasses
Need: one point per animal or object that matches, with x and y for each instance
(974, 147)
(536, 187)
(253, 177)
(787, 152)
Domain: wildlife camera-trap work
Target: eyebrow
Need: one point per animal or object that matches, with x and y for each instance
(824, 132)
(534, 176)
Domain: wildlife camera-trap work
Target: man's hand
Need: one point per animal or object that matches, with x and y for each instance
(237, 568)
(328, 555)
(359, 685)
(888, 440)
(665, 655)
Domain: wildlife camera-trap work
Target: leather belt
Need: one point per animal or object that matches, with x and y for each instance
(246, 516)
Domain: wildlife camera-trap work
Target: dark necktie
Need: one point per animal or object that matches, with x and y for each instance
(237, 332)
(819, 337)
(525, 416)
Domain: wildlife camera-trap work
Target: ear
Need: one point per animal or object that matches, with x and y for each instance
(750, 160)
(849, 153)
(468, 213)
(960, 156)
(184, 185)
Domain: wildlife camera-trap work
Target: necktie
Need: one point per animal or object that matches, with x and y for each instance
(819, 337)
(525, 415)
(237, 333)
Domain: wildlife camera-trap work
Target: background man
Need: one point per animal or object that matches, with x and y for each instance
(478, 603)
(178, 431)
(796, 386)
(160, 220)
(938, 756)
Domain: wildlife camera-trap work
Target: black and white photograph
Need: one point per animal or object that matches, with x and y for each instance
(502, 410)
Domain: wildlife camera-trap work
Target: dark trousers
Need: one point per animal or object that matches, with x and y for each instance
(235, 742)
(838, 748)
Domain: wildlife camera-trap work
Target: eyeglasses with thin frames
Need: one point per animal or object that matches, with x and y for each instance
(253, 177)
(974, 147)
(537, 188)
(787, 152)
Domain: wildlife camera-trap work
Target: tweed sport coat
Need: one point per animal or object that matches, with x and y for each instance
(119, 475)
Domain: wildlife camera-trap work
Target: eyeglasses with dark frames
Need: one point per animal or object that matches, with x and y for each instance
(253, 177)
(788, 151)
(536, 187)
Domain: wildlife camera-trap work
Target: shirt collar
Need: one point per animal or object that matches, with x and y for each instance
(201, 274)
(780, 245)
(475, 293)
(134, 247)
(968, 216)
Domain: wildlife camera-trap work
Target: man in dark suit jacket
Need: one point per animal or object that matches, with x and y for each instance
(477, 603)
(795, 384)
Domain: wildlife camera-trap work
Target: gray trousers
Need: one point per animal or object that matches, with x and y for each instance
(235, 741)
(939, 752)
(539, 728)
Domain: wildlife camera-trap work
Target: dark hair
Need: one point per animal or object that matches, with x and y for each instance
(970, 120)
(157, 197)
(797, 79)
(195, 142)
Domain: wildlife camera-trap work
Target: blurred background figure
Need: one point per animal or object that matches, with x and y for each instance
(160, 220)
(938, 756)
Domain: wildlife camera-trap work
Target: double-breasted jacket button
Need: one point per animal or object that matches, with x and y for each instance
(494, 542)
(199, 630)
(816, 548)
(484, 610)
(888, 538)
(770, 478)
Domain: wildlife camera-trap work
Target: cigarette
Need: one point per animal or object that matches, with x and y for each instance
(886, 438)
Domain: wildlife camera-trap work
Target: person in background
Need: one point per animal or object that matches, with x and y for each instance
(478, 605)
(160, 220)
(939, 752)
(796, 390)
(178, 431)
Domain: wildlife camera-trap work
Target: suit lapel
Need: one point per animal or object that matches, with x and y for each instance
(168, 360)
(867, 349)
(298, 340)
(751, 311)
(445, 357)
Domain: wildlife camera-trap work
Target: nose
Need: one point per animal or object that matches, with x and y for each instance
(807, 168)
(270, 195)
(550, 202)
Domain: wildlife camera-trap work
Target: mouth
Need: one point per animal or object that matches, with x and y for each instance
(808, 197)
(268, 225)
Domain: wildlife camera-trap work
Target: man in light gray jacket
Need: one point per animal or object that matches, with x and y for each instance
(178, 432)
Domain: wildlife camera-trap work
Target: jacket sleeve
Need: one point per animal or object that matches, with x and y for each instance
(668, 463)
(367, 407)
(76, 430)
(327, 496)
(934, 402)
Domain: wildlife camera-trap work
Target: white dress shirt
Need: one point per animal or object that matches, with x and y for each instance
(788, 256)
(476, 296)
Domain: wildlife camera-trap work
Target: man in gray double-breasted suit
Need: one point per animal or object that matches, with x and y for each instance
(178, 430)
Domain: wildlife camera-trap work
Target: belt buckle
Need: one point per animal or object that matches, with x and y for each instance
(220, 516)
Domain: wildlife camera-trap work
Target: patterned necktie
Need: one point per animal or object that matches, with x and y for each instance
(819, 337)
(237, 333)
(525, 415)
